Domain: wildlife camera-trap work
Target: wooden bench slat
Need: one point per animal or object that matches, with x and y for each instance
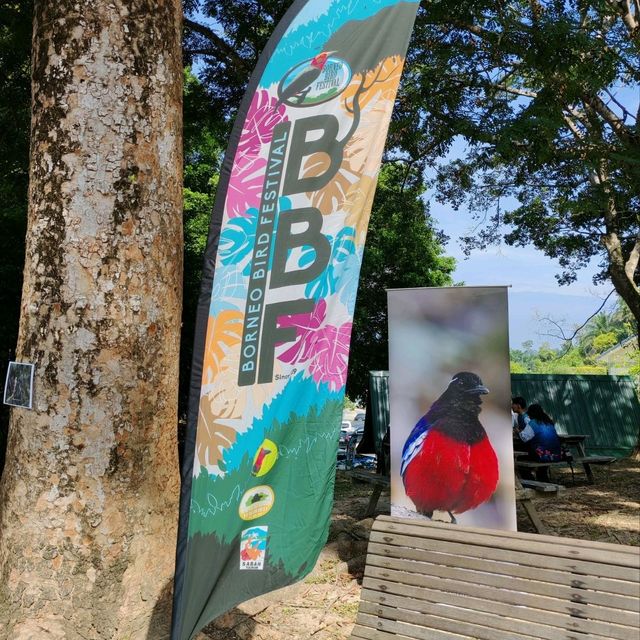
(367, 633)
(577, 566)
(544, 582)
(400, 630)
(390, 523)
(501, 600)
(545, 487)
(572, 553)
(476, 625)
(543, 625)
(510, 539)
(595, 460)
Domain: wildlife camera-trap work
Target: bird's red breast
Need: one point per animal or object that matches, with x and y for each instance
(450, 475)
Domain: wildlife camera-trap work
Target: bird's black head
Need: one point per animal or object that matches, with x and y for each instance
(467, 384)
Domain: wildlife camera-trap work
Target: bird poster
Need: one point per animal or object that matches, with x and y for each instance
(450, 418)
(276, 308)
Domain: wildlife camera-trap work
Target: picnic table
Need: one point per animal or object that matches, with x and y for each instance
(575, 441)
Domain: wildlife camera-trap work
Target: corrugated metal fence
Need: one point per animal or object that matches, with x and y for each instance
(605, 408)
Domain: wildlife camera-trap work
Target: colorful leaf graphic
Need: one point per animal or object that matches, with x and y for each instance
(237, 238)
(245, 186)
(262, 118)
(331, 197)
(223, 332)
(358, 206)
(330, 359)
(381, 83)
(327, 283)
(229, 289)
(212, 437)
(306, 324)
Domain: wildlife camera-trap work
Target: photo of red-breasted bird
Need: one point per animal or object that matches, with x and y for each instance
(448, 463)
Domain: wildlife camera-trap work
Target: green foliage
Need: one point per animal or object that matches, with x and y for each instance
(603, 331)
(402, 250)
(203, 148)
(544, 94)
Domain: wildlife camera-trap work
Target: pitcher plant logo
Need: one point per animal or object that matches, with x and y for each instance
(314, 81)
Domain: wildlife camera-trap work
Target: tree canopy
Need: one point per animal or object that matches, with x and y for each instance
(543, 93)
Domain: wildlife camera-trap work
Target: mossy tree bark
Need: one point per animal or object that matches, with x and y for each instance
(89, 495)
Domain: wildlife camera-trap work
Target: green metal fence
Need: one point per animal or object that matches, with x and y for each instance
(605, 408)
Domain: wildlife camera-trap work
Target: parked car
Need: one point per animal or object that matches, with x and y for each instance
(347, 425)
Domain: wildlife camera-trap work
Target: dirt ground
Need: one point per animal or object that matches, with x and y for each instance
(324, 605)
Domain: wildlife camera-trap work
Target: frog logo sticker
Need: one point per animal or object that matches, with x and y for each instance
(265, 458)
(256, 502)
(314, 81)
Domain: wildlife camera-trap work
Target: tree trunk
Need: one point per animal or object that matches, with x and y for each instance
(89, 495)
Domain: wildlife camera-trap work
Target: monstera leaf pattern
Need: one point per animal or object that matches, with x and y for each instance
(330, 359)
(245, 186)
(213, 437)
(342, 247)
(331, 197)
(263, 116)
(358, 206)
(224, 331)
(306, 324)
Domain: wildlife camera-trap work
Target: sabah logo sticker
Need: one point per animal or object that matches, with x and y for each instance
(314, 81)
(256, 502)
(253, 548)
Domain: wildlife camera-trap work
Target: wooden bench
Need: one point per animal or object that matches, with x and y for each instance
(379, 483)
(543, 487)
(435, 581)
(585, 461)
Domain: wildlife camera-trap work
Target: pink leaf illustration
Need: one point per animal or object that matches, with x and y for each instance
(245, 186)
(261, 120)
(330, 360)
(307, 326)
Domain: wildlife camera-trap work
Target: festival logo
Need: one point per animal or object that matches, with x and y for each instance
(314, 81)
(253, 548)
(256, 502)
(265, 458)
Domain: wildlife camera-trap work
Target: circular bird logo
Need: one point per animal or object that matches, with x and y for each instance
(314, 81)
(265, 458)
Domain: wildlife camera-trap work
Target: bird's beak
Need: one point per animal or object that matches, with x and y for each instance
(480, 390)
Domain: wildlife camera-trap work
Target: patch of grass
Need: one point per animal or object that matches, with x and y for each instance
(346, 609)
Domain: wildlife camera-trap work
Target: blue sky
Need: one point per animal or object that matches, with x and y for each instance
(534, 291)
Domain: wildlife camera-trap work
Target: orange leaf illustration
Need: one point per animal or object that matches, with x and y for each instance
(331, 197)
(212, 438)
(358, 206)
(223, 332)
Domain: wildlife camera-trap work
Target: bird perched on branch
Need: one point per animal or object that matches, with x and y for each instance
(448, 463)
(301, 85)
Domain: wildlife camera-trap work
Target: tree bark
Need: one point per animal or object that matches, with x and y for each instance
(89, 495)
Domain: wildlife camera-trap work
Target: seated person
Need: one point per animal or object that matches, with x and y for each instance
(519, 419)
(541, 440)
